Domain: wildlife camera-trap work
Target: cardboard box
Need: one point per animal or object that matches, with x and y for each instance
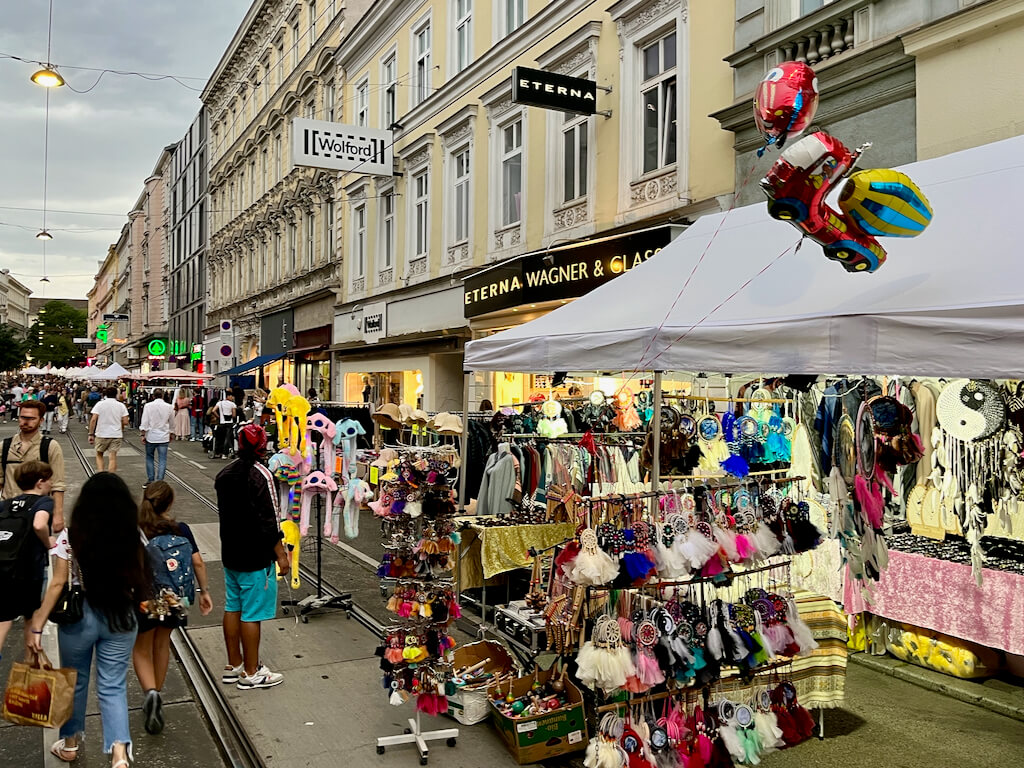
(469, 705)
(532, 739)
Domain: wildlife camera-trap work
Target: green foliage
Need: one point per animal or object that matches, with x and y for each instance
(12, 349)
(51, 336)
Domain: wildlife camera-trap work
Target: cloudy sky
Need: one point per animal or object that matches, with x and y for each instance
(104, 143)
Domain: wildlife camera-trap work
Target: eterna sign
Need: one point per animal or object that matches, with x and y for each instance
(340, 147)
(553, 91)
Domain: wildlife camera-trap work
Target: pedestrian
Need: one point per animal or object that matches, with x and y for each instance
(24, 541)
(156, 428)
(226, 410)
(107, 421)
(63, 411)
(166, 538)
(198, 411)
(51, 400)
(16, 394)
(30, 445)
(83, 405)
(182, 422)
(102, 553)
(251, 544)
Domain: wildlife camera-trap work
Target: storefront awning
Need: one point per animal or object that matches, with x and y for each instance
(256, 362)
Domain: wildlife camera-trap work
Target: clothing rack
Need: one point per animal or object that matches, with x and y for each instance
(571, 435)
(707, 399)
(700, 579)
(764, 475)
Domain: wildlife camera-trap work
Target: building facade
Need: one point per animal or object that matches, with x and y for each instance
(870, 78)
(538, 196)
(274, 259)
(14, 303)
(186, 296)
(103, 299)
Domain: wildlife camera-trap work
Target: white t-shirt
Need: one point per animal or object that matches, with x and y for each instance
(157, 421)
(62, 549)
(109, 412)
(17, 392)
(226, 409)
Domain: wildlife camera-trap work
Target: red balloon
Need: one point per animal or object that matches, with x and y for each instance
(785, 102)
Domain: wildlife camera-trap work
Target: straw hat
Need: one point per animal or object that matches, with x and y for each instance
(420, 416)
(447, 424)
(406, 410)
(388, 416)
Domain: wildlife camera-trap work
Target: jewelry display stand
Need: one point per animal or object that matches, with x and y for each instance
(415, 735)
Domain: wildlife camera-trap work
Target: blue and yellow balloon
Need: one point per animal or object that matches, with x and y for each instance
(885, 203)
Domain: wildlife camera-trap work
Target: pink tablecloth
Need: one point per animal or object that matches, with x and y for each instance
(939, 595)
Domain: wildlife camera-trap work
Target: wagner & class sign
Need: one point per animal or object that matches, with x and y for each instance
(563, 273)
(553, 91)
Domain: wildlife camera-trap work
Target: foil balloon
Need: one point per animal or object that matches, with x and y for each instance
(785, 102)
(884, 202)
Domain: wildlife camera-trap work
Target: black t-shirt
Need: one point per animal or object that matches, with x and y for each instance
(246, 503)
(32, 560)
(51, 401)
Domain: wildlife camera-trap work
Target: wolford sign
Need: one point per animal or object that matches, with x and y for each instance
(565, 272)
(319, 144)
(553, 91)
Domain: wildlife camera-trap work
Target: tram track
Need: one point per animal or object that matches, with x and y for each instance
(236, 747)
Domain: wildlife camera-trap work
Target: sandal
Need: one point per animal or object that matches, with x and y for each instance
(57, 749)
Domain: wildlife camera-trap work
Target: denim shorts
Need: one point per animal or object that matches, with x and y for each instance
(254, 593)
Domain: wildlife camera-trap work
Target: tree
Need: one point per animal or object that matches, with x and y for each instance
(12, 349)
(51, 337)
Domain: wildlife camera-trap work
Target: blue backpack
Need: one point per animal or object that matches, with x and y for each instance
(170, 557)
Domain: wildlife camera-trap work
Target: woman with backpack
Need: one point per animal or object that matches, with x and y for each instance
(101, 554)
(178, 574)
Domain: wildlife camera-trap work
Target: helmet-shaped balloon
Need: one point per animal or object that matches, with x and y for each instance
(884, 202)
(785, 102)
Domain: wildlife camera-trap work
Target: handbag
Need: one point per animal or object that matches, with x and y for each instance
(38, 694)
(70, 605)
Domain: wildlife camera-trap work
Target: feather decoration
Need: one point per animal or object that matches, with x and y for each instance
(727, 541)
(695, 548)
(736, 466)
(731, 739)
(801, 632)
(768, 731)
(870, 500)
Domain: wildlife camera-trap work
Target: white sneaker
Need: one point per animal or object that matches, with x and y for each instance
(231, 674)
(263, 678)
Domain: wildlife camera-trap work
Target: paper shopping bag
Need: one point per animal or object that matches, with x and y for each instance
(38, 694)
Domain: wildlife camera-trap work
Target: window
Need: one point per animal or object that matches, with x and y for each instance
(329, 102)
(463, 34)
(515, 15)
(266, 79)
(460, 195)
(387, 229)
(658, 103)
(252, 181)
(359, 241)
(363, 103)
(310, 110)
(263, 168)
(310, 251)
(295, 43)
(312, 21)
(421, 64)
(511, 173)
(421, 213)
(263, 263)
(277, 157)
(280, 61)
(389, 79)
(293, 262)
(329, 220)
(277, 257)
(241, 189)
(575, 156)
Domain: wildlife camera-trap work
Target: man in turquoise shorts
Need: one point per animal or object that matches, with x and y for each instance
(250, 544)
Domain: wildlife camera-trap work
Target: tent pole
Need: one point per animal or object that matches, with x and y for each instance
(656, 429)
(464, 441)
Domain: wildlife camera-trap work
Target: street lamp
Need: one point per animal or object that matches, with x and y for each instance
(48, 78)
(44, 235)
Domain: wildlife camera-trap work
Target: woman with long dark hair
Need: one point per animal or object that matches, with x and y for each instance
(100, 550)
(153, 644)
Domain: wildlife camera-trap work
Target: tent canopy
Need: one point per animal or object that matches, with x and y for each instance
(256, 362)
(175, 374)
(949, 302)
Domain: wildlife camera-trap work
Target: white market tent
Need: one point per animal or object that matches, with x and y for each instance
(947, 303)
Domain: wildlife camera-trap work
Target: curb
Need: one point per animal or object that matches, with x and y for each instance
(966, 691)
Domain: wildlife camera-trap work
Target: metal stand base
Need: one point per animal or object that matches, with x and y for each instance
(313, 603)
(414, 735)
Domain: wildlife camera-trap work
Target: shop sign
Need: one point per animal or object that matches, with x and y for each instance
(375, 322)
(550, 90)
(562, 273)
(340, 147)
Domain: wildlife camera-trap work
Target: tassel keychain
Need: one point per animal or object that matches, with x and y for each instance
(592, 566)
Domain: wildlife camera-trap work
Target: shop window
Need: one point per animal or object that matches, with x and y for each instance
(658, 103)
(389, 82)
(421, 213)
(463, 34)
(460, 196)
(359, 241)
(387, 235)
(421, 74)
(363, 103)
(511, 173)
(575, 156)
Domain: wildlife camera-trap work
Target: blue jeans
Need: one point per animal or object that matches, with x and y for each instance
(160, 451)
(113, 658)
(197, 427)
